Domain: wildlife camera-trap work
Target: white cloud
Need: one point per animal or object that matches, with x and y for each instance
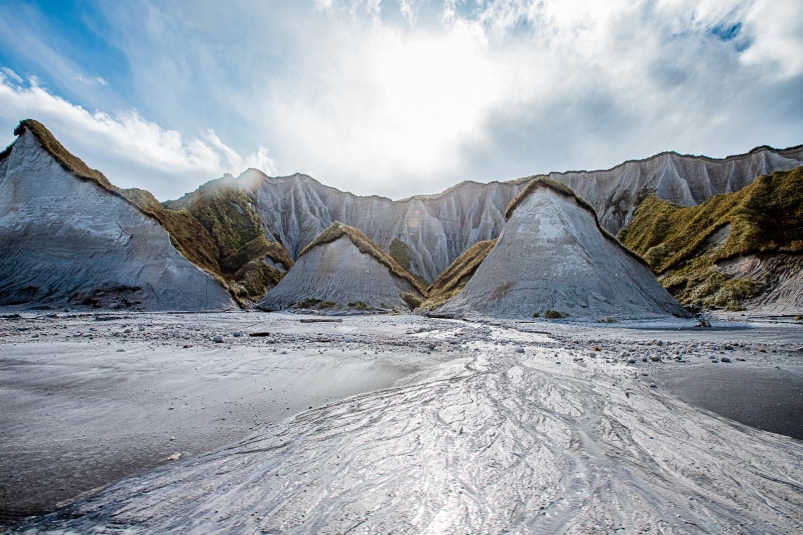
(507, 88)
(399, 97)
(129, 149)
(11, 74)
(91, 80)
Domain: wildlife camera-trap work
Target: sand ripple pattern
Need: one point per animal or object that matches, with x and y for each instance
(501, 443)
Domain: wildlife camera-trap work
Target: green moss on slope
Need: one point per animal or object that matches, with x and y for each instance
(224, 211)
(765, 217)
(455, 277)
(400, 253)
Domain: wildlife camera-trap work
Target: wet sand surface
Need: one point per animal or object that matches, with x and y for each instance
(767, 398)
(79, 413)
(542, 427)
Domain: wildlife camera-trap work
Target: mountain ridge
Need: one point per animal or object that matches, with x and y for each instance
(437, 228)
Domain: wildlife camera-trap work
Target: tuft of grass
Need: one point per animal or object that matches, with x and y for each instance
(455, 277)
(325, 305)
(554, 314)
(764, 217)
(399, 252)
(359, 305)
(366, 246)
(798, 318)
(412, 300)
(543, 182)
(308, 303)
(537, 315)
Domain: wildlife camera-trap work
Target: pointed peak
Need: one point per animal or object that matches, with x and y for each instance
(540, 182)
(543, 182)
(366, 246)
(67, 160)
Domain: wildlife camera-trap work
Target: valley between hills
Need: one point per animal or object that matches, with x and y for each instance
(613, 351)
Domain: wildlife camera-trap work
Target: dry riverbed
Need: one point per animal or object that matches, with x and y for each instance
(175, 423)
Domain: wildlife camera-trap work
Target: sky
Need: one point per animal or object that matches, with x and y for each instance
(398, 97)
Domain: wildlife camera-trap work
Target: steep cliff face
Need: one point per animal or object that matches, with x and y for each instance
(438, 228)
(553, 259)
(66, 236)
(681, 180)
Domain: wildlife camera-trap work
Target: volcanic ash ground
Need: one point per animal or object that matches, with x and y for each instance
(517, 432)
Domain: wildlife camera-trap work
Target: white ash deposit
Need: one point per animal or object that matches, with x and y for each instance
(337, 272)
(65, 240)
(515, 427)
(552, 256)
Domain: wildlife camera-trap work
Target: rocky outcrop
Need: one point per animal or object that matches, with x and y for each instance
(553, 259)
(342, 271)
(438, 228)
(68, 237)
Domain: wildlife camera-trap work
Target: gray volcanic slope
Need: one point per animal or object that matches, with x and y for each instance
(552, 255)
(438, 228)
(340, 273)
(63, 238)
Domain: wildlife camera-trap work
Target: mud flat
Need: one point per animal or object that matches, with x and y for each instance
(416, 425)
(84, 403)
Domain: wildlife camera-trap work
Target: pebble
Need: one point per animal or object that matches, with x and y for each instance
(217, 339)
(236, 334)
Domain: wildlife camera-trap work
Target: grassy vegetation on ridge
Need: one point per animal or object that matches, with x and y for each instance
(226, 245)
(366, 246)
(765, 217)
(455, 277)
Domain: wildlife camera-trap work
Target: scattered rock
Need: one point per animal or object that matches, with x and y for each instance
(217, 339)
